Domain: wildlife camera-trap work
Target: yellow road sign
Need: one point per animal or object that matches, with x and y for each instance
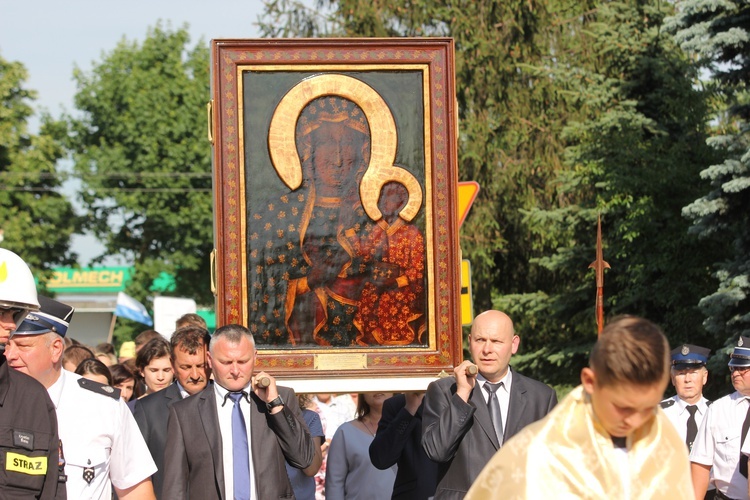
(467, 192)
(467, 307)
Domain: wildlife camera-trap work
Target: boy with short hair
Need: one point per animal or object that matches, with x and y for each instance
(608, 438)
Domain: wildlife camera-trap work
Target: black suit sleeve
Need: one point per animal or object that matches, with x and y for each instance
(292, 432)
(394, 428)
(552, 402)
(446, 420)
(175, 460)
(140, 418)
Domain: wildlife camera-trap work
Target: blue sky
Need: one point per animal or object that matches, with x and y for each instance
(51, 37)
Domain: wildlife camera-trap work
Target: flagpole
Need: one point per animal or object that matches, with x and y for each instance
(111, 328)
(599, 265)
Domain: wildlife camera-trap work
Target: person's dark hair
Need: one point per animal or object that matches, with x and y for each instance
(108, 350)
(232, 334)
(154, 348)
(139, 389)
(363, 409)
(630, 350)
(69, 341)
(130, 365)
(94, 367)
(120, 373)
(189, 338)
(75, 354)
(145, 336)
(304, 400)
(190, 319)
(105, 348)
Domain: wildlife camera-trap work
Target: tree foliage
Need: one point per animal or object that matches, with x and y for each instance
(35, 219)
(633, 156)
(140, 149)
(718, 34)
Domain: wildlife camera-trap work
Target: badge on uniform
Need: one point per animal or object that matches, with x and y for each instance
(23, 439)
(88, 473)
(61, 477)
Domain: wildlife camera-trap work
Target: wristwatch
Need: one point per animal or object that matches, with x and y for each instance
(274, 403)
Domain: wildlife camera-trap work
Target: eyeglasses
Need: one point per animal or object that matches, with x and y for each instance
(741, 369)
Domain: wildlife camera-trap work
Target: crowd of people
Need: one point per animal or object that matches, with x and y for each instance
(190, 418)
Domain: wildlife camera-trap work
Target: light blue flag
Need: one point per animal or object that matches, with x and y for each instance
(128, 307)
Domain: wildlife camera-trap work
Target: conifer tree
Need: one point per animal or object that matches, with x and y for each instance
(718, 34)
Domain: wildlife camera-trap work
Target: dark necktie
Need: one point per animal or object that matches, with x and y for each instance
(692, 427)
(493, 405)
(240, 452)
(743, 458)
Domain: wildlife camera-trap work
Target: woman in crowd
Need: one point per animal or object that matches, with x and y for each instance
(350, 475)
(154, 364)
(95, 370)
(123, 379)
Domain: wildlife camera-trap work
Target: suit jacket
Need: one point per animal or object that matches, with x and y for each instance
(459, 435)
(193, 462)
(151, 414)
(399, 441)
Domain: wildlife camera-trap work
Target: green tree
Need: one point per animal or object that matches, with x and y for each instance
(633, 157)
(718, 34)
(36, 220)
(141, 151)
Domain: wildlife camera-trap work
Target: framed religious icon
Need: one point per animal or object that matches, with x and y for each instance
(335, 221)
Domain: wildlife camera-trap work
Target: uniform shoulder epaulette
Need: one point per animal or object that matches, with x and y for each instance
(103, 389)
(708, 403)
(666, 403)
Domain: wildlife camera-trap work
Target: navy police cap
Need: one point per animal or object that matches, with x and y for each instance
(741, 354)
(690, 356)
(52, 316)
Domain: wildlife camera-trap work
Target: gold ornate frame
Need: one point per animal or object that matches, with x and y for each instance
(292, 73)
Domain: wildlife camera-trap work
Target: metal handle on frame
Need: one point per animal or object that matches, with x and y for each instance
(212, 267)
(210, 115)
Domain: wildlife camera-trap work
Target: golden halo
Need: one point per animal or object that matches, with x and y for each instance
(383, 140)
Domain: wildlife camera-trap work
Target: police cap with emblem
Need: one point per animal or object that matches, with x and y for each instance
(689, 356)
(741, 354)
(52, 316)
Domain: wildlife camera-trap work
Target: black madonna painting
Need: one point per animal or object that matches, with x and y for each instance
(335, 227)
(337, 257)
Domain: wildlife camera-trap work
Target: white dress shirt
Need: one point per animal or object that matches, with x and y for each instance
(718, 444)
(225, 427)
(502, 393)
(678, 414)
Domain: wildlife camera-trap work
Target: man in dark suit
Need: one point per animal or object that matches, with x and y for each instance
(189, 347)
(211, 454)
(468, 417)
(399, 441)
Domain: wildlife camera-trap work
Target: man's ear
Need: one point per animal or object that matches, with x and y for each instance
(588, 380)
(209, 360)
(515, 343)
(57, 347)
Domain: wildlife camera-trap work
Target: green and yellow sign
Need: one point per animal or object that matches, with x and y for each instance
(89, 279)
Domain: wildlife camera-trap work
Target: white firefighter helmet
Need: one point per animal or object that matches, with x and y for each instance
(17, 286)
